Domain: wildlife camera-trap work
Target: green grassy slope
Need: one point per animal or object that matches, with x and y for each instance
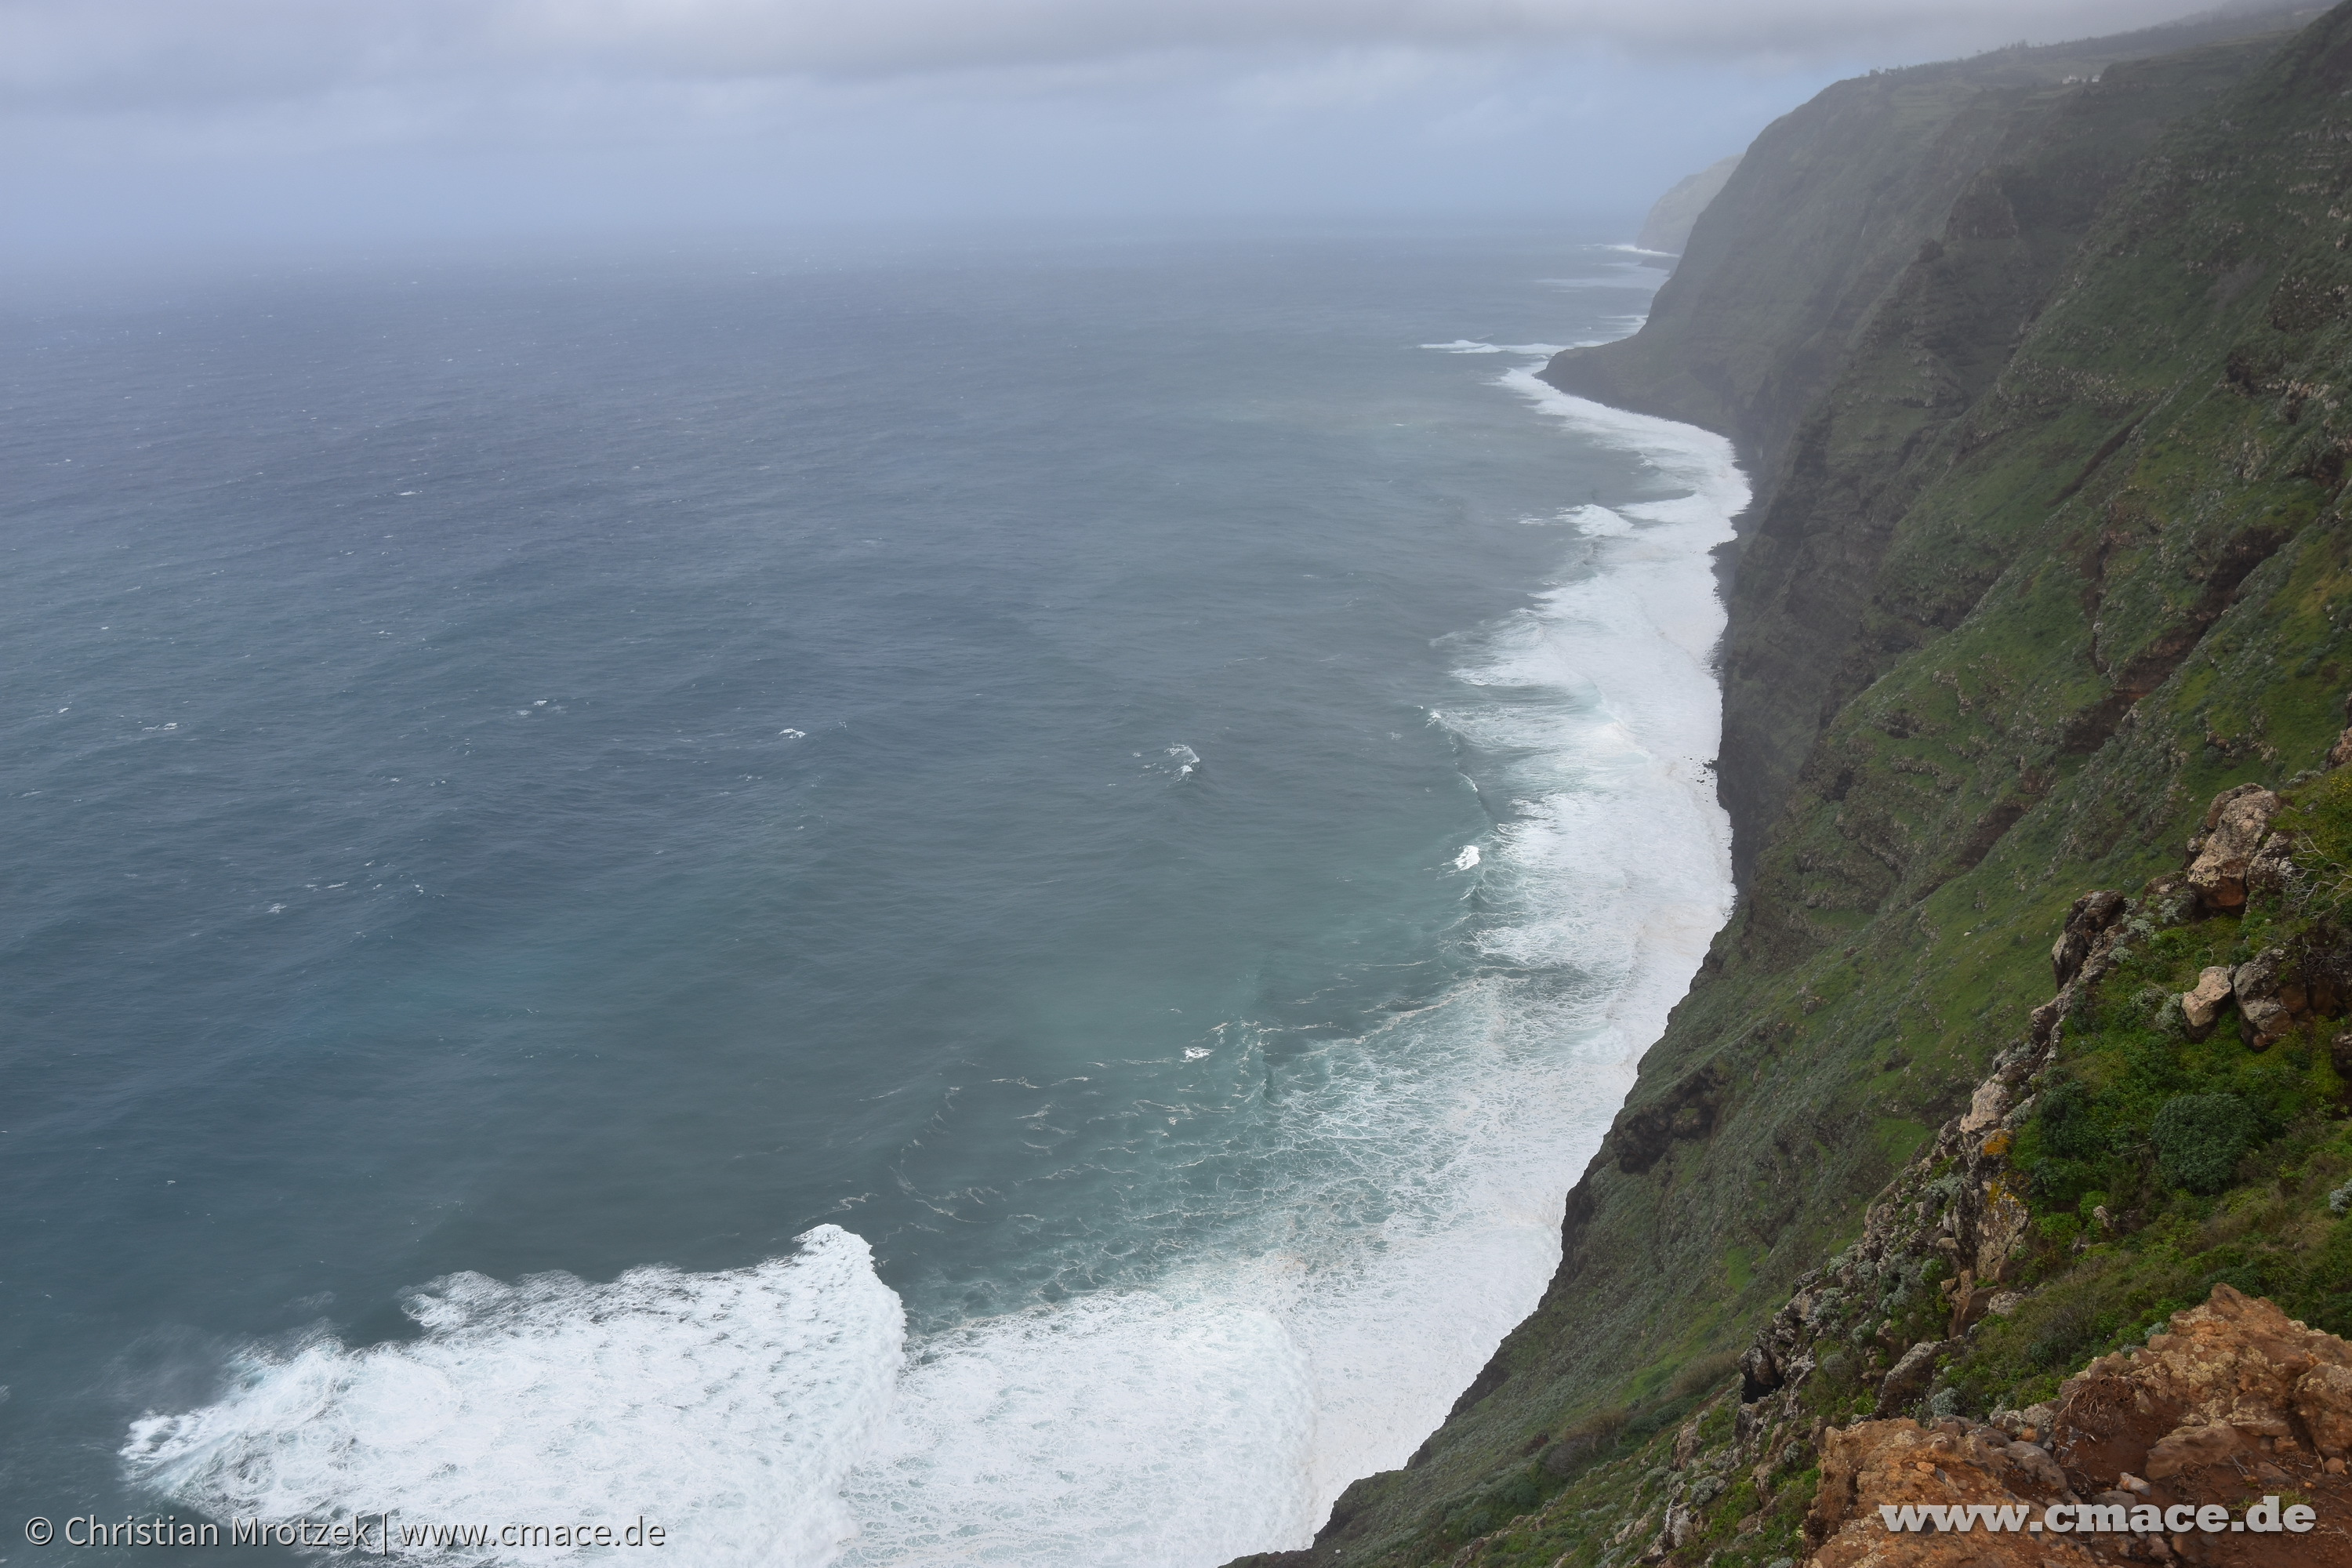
(2120, 579)
(1803, 638)
(1830, 203)
(2158, 1162)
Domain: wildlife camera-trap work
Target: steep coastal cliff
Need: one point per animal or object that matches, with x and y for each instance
(2051, 572)
(1667, 228)
(1863, 276)
(1821, 213)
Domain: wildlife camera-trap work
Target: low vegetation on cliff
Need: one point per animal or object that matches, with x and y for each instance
(2188, 1065)
(2096, 607)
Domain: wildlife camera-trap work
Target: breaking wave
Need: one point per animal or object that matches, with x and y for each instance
(1368, 1222)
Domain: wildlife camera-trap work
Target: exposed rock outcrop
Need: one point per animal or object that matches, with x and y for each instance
(2202, 1004)
(2270, 1000)
(2235, 1402)
(2093, 913)
(2233, 1384)
(1877, 1463)
(2234, 828)
(1687, 1110)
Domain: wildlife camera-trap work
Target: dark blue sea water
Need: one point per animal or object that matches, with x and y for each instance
(939, 905)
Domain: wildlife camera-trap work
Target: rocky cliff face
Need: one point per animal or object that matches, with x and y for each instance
(2230, 1403)
(2064, 584)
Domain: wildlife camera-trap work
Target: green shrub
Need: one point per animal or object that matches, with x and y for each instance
(2058, 1230)
(2333, 1314)
(2070, 1127)
(2200, 1138)
(2068, 1324)
(2321, 820)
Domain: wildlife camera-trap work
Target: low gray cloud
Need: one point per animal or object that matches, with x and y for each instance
(128, 54)
(159, 128)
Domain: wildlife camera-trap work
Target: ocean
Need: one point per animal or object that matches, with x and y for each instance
(929, 903)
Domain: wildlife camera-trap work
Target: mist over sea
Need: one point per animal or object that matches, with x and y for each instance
(948, 905)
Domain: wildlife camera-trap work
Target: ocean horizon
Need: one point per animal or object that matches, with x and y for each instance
(949, 906)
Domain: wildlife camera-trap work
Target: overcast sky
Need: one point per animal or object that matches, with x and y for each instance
(152, 129)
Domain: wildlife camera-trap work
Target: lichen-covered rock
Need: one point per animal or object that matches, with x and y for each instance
(1969, 1219)
(2093, 913)
(1987, 1106)
(2270, 1000)
(1908, 1379)
(2002, 1222)
(2322, 1402)
(2272, 867)
(1952, 1223)
(1686, 1441)
(2234, 826)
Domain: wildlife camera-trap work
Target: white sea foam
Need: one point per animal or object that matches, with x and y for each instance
(1324, 1340)
(1472, 346)
(1398, 1210)
(1629, 649)
(1468, 859)
(1629, 277)
(733, 1404)
(762, 1415)
(1597, 522)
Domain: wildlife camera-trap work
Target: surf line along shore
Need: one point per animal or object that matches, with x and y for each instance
(1327, 1353)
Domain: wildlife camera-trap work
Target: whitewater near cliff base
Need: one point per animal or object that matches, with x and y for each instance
(1178, 1105)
